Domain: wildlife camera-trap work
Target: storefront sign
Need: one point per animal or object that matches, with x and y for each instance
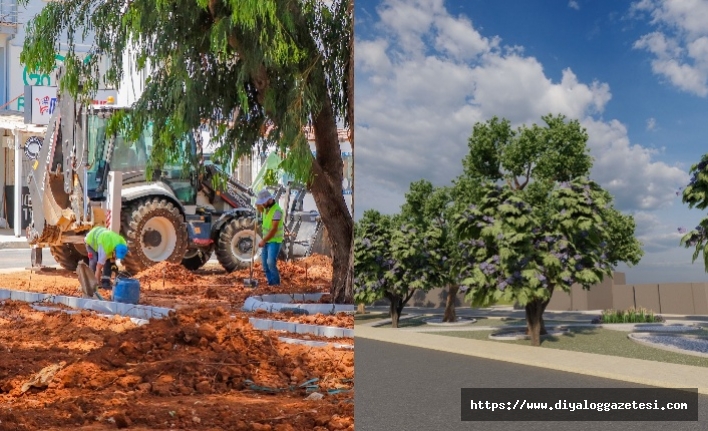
(41, 102)
(21, 75)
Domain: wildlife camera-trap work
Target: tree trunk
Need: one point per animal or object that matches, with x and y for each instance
(534, 321)
(395, 309)
(450, 315)
(326, 188)
(361, 308)
(536, 327)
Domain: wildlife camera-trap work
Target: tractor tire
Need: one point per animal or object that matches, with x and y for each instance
(233, 245)
(156, 231)
(81, 248)
(67, 256)
(198, 259)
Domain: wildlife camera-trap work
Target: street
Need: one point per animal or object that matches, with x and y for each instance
(407, 388)
(20, 258)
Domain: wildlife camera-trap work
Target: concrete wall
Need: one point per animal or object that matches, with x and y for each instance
(434, 298)
(665, 298)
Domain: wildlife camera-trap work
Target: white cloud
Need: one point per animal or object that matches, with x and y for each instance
(417, 102)
(574, 5)
(627, 171)
(680, 46)
(651, 124)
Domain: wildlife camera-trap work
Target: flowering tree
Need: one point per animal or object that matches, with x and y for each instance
(539, 225)
(696, 195)
(430, 210)
(395, 256)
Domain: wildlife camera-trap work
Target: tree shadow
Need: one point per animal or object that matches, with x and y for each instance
(572, 333)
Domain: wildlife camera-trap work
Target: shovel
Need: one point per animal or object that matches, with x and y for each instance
(87, 280)
(252, 282)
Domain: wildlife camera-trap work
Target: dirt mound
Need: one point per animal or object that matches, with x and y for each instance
(167, 272)
(295, 274)
(182, 288)
(197, 369)
(207, 345)
(340, 320)
(316, 260)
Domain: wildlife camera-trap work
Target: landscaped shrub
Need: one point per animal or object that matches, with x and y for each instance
(632, 315)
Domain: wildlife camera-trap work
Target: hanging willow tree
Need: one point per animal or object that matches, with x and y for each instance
(243, 66)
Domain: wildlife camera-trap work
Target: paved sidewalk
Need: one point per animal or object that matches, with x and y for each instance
(8, 240)
(639, 371)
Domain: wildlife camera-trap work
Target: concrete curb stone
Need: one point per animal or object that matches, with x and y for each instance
(143, 312)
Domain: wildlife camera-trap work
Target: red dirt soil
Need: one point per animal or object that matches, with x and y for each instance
(172, 286)
(341, 320)
(186, 371)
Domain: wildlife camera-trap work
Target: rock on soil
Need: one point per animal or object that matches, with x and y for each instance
(186, 371)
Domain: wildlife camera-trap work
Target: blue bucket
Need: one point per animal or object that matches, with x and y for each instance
(126, 290)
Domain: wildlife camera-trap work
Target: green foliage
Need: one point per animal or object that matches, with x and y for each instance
(270, 178)
(373, 259)
(397, 255)
(528, 220)
(503, 238)
(555, 153)
(426, 213)
(632, 315)
(622, 246)
(240, 65)
(696, 195)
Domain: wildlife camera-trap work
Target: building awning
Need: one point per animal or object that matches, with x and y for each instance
(15, 120)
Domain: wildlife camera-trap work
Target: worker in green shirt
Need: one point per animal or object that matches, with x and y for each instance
(104, 246)
(273, 235)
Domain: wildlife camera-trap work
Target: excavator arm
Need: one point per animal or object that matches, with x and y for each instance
(56, 179)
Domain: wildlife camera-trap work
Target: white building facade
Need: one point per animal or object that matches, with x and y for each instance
(21, 138)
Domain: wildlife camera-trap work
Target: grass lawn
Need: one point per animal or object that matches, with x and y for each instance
(481, 321)
(369, 316)
(420, 321)
(408, 323)
(597, 340)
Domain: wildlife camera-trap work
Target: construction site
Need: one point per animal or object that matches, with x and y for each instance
(183, 332)
(203, 366)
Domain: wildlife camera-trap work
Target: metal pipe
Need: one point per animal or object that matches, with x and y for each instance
(84, 136)
(18, 185)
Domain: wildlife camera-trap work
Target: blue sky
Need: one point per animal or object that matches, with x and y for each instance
(634, 73)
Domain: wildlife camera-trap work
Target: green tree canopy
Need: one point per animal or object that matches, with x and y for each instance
(695, 195)
(538, 223)
(397, 255)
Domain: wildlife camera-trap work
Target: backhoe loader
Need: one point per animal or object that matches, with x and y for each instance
(180, 215)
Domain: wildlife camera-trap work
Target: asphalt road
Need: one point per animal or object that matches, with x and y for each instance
(408, 388)
(20, 258)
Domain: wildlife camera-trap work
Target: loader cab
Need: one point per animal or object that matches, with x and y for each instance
(131, 158)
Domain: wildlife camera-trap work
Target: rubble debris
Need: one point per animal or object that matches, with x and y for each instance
(42, 379)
